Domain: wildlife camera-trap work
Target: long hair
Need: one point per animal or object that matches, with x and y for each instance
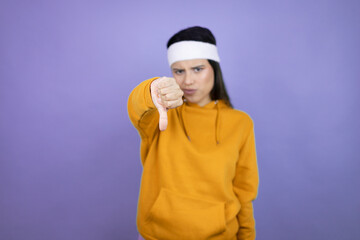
(205, 35)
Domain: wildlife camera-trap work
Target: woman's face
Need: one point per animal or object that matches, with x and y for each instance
(195, 78)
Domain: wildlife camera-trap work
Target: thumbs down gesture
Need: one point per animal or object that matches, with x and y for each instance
(165, 94)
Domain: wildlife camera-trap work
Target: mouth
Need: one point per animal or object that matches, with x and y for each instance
(189, 91)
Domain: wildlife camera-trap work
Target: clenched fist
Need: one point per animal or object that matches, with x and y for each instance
(165, 94)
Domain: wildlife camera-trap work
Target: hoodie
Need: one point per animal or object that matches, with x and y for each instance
(200, 175)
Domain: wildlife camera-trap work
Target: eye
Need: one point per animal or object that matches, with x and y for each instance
(178, 72)
(197, 69)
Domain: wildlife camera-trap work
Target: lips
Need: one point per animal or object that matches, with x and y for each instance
(189, 91)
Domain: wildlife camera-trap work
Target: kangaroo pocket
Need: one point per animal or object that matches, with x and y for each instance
(176, 216)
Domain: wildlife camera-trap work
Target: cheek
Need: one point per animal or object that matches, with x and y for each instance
(210, 85)
(178, 80)
(209, 81)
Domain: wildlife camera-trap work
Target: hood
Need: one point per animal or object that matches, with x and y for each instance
(217, 104)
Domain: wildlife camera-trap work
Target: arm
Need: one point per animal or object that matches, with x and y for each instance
(148, 104)
(142, 111)
(245, 184)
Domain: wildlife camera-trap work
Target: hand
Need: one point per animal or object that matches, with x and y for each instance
(165, 94)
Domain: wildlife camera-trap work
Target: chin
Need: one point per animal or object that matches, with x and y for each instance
(191, 100)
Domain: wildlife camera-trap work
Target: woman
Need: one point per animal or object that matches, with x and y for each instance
(198, 154)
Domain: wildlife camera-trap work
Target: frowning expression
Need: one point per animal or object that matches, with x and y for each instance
(195, 78)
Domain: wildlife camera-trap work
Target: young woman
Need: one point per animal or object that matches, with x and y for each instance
(198, 154)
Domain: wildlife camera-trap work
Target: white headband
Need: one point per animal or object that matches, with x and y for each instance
(186, 50)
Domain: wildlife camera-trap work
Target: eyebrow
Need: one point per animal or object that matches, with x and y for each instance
(176, 69)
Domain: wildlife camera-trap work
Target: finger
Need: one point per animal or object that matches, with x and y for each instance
(159, 106)
(166, 82)
(173, 103)
(163, 120)
(169, 89)
(171, 96)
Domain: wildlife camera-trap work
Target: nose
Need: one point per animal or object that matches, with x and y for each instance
(189, 78)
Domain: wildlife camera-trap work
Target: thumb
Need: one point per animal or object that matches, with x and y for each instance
(163, 120)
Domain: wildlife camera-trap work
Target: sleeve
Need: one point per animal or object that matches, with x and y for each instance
(142, 111)
(245, 184)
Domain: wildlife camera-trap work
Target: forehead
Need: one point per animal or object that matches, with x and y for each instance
(189, 63)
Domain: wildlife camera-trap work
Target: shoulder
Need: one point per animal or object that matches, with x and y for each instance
(238, 116)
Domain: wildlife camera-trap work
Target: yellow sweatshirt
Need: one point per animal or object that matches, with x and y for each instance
(200, 175)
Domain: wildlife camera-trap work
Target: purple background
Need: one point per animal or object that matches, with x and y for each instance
(69, 156)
